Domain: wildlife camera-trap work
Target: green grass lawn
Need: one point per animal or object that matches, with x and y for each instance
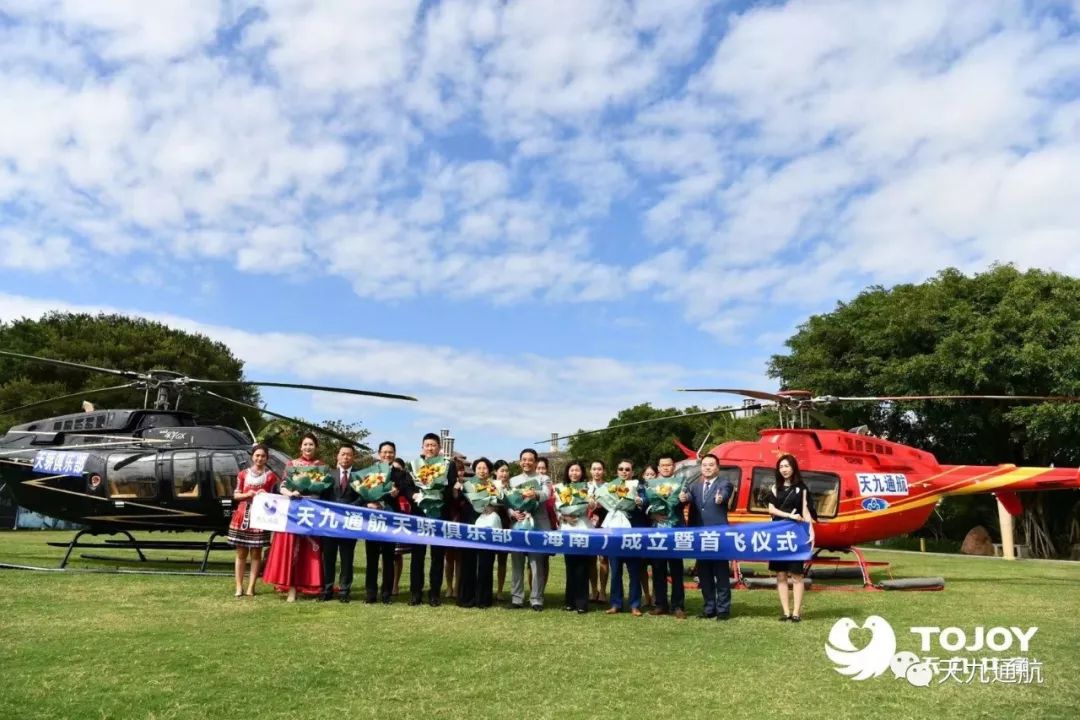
(134, 646)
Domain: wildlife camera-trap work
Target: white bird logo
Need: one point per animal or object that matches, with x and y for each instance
(869, 662)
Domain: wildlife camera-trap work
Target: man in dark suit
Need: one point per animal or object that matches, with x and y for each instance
(431, 452)
(375, 550)
(339, 492)
(707, 499)
(661, 569)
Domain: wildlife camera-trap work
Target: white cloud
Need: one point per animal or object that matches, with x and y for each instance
(883, 141)
(35, 253)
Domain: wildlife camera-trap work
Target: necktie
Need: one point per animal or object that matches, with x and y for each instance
(705, 492)
(344, 478)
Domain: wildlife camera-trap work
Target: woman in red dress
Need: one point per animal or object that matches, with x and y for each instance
(295, 561)
(248, 541)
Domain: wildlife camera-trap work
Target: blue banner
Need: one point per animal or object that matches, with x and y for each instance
(60, 462)
(787, 540)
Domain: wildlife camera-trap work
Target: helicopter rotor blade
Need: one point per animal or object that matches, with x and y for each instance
(83, 393)
(78, 366)
(304, 423)
(652, 420)
(301, 386)
(755, 394)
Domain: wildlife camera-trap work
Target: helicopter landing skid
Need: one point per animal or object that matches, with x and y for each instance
(835, 563)
(133, 544)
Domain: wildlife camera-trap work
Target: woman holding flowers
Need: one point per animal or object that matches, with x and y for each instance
(482, 497)
(502, 482)
(249, 541)
(571, 505)
(597, 566)
(295, 561)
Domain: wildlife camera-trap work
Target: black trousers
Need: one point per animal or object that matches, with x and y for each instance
(577, 582)
(435, 576)
(331, 547)
(485, 577)
(467, 578)
(715, 586)
(660, 571)
(374, 551)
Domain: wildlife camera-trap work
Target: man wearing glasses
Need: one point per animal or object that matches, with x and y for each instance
(617, 518)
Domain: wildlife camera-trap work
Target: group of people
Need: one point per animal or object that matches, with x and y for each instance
(309, 564)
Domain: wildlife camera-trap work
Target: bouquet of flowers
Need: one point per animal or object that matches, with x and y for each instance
(308, 479)
(572, 500)
(482, 493)
(373, 483)
(430, 475)
(524, 498)
(662, 495)
(619, 499)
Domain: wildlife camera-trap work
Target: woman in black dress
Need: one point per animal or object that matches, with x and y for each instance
(790, 500)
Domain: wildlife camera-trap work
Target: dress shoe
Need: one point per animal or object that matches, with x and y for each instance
(369, 600)
(796, 618)
(785, 618)
(582, 611)
(514, 606)
(612, 611)
(658, 611)
(324, 597)
(723, 616)
(538, 608)
(387, 600)
(434, 602)
(706, 615)
(680, 614)
(414, 601)
(635, 612)
(568, 608)
(344, 597)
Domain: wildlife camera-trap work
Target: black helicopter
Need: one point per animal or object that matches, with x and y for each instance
(113, 471)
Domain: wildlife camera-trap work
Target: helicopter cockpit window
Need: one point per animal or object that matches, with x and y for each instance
(185, 474)
(134, 478)
(225, 470)
(824, 491)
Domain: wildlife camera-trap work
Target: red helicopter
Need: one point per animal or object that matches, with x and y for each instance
(865, 488)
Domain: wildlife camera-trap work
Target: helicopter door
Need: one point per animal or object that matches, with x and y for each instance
(224, 469)
(182, 487)
(131, 478)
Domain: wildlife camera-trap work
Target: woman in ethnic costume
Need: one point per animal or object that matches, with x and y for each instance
(295, 561)
(249, 541)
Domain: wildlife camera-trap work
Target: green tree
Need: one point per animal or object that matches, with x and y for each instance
(644, 443)
(1001, 332)
(285, 436)
(116, 342)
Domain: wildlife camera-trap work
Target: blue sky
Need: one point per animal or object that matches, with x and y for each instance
(528, 215)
